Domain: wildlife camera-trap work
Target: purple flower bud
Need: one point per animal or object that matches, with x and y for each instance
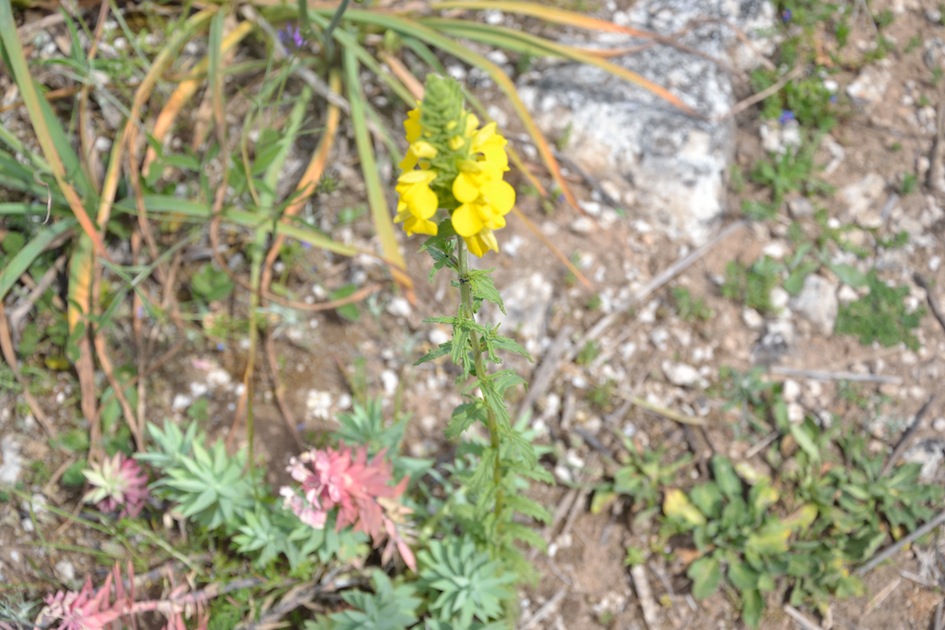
(786, 15)
(786, 116)
(291, 37)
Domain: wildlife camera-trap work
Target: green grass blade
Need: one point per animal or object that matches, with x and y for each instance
(274, 169)
(18, 265)
(170, 206)
(49, 133)
(383, 221)
(349, 41)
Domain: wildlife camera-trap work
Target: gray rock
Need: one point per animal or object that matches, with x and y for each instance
(674, 163)
(11, 464)
(928, 453)
(864, 200)
(800, 207)
(66, 571)
(682, 375)
(817, 303)
(869, 87)
(934, 53)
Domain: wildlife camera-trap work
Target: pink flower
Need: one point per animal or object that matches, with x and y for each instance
(83, 610)
(117, 482)
(361, 490)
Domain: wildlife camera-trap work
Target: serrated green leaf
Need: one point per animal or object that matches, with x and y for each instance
(805, 441)
(705, 573)
(753, 606)
(708, 499)
(483, 287)
(724, 474)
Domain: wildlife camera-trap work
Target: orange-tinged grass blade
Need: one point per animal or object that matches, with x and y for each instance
(17, 59)
(81, 272)
(185, 91)
(507, 38)
(383, 223)
(501, 79)
(546, 13)
(163, 59)
(316, 166)
(399, 70)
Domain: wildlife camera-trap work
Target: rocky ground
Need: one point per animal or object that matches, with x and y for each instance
(622, 358)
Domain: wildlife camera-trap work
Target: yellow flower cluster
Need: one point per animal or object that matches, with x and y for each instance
(480, 197)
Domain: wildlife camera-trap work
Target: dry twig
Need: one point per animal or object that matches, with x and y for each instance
(650, 287)
(826, 375)
(930, 298)
(906, 438)
(645, 595)
(799, 619)
(890, 551)
(547, 609)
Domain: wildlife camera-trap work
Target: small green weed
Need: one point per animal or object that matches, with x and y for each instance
(742, 540)
(908, 185)
(752, 285)
(641, 477)
(588, 353)
(880, 316)
(690, 308)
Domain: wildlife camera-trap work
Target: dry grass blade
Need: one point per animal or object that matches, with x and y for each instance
(546, 13)
(128, 135)
(81, 277)
(184, 92)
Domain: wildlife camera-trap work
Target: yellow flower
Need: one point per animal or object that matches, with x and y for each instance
(484, 197)
(417, 202)
(453, 163)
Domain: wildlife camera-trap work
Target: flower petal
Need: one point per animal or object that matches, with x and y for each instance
(466, 220)
(465, 188)
(500, 195)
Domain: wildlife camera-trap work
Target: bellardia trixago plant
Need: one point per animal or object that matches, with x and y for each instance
(453, 165)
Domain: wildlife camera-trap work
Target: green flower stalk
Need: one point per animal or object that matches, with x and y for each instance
(454, 168)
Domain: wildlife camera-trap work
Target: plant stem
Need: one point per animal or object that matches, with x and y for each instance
(335, 20)
(466, 312)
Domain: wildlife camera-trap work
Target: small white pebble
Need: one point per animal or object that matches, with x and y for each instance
(389, 381)
(752, 319)
(438, 336)
(399, 307)
(795, 413)
(791, 390)
(181, 402)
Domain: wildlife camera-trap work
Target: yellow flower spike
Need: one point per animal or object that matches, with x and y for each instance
(461, 169)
